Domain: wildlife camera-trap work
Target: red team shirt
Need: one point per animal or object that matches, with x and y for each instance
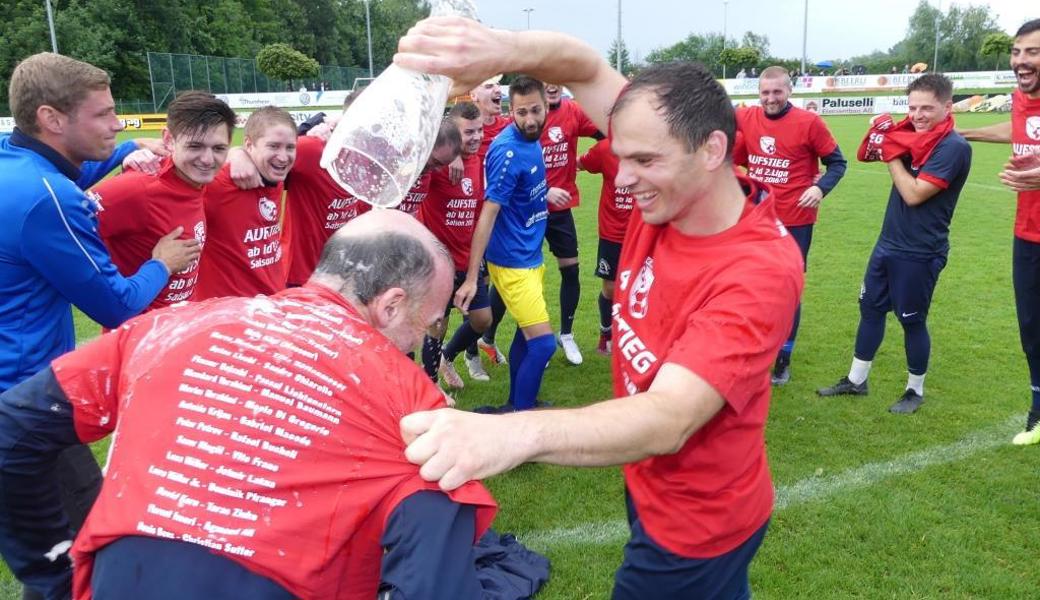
(244, 248)
(415, 196)
(784, 153)
(1025, 139)
(490, 132)
(295, 396)
(563, 126)
(137, 210)
(450, 212)
(720, 306)
(615, 206)
(318, 207)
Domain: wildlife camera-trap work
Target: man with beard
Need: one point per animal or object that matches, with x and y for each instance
(1023, 176)
(783, 145)
(511, 229)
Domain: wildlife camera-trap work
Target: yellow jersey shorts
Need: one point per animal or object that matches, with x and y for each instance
(522, 291)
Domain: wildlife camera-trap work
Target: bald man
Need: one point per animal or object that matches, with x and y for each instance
(251, 417)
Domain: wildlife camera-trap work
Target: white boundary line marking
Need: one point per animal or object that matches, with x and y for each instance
(811, 489)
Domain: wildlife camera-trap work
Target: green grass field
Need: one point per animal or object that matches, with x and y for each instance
(869, 504)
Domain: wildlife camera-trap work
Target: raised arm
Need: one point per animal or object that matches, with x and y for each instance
(470, 53)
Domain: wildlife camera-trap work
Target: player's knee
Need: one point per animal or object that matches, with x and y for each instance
(608, 289)
(480, 320)
(566, 263)
(569, 273)
(541, 348)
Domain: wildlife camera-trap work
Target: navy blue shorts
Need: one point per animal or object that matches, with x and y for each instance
(802, 234)
(1025, 272)
(900, 283)
(480, 300)
(648, 571)
(561, 234)
(608, 259)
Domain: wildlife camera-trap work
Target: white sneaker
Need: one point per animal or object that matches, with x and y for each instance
(570, 348)
(450, 375)
(476, 368)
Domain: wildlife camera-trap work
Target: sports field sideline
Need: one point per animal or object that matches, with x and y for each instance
(869, 504)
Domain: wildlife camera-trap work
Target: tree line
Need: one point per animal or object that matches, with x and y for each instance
(116, 34)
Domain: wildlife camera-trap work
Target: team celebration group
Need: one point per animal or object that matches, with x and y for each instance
(273, 434)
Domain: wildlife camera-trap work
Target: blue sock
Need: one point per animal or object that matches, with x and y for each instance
(517, 354)
(531, 370)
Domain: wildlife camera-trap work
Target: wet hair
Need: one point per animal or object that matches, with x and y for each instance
(464, 110)
(691, 101)
(524, 85)
(48, 79)
(448, 135)
(268, 116)
(192, 113)
(936, 83)
(369, 265)
(1028, 27)
(776, 72)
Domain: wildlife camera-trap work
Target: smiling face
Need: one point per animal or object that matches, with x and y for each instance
(1025, 62)
(90, 128)
(472, 131)
(273, 151)
(553, 94)
(773, 94)
(926, 111)
(198, 155)
(663, 176)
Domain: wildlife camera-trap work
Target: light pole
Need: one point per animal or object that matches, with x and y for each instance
(50, 23)
(935, 59)
(617, 59)
(805, 34)
(528, 11)
(725, 10)
(368, 30)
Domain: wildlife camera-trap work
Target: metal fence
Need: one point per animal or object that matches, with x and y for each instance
(174, 73)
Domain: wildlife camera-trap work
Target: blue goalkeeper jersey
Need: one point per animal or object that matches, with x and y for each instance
(51, 257)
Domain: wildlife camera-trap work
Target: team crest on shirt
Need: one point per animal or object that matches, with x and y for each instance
(556, 134)
(467, 186)
(200, 232)
(268, 209)
(639, 297)
(1033, 128)
(94, 199)
(768, 144)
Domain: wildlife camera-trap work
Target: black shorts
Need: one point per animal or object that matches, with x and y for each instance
(900, 283)
(607, 260)
(561, 234)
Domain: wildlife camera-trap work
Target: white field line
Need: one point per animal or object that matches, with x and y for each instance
(982, 186)
(812, 489)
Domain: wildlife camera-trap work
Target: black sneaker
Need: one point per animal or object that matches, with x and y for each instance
(844, 387)
(781, 371)
(908, 403)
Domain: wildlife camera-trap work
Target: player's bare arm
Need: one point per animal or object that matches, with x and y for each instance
(470, 53)
(999, 133)
(454, 447)
(914, 191)
(481, 235)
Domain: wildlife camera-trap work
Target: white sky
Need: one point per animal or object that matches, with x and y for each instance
(837, 29)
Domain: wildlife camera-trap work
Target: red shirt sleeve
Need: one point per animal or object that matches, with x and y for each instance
(90, 377)
(740, 153)
(736, 334)
(820, 137)
(122, 204)
(592, 161)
